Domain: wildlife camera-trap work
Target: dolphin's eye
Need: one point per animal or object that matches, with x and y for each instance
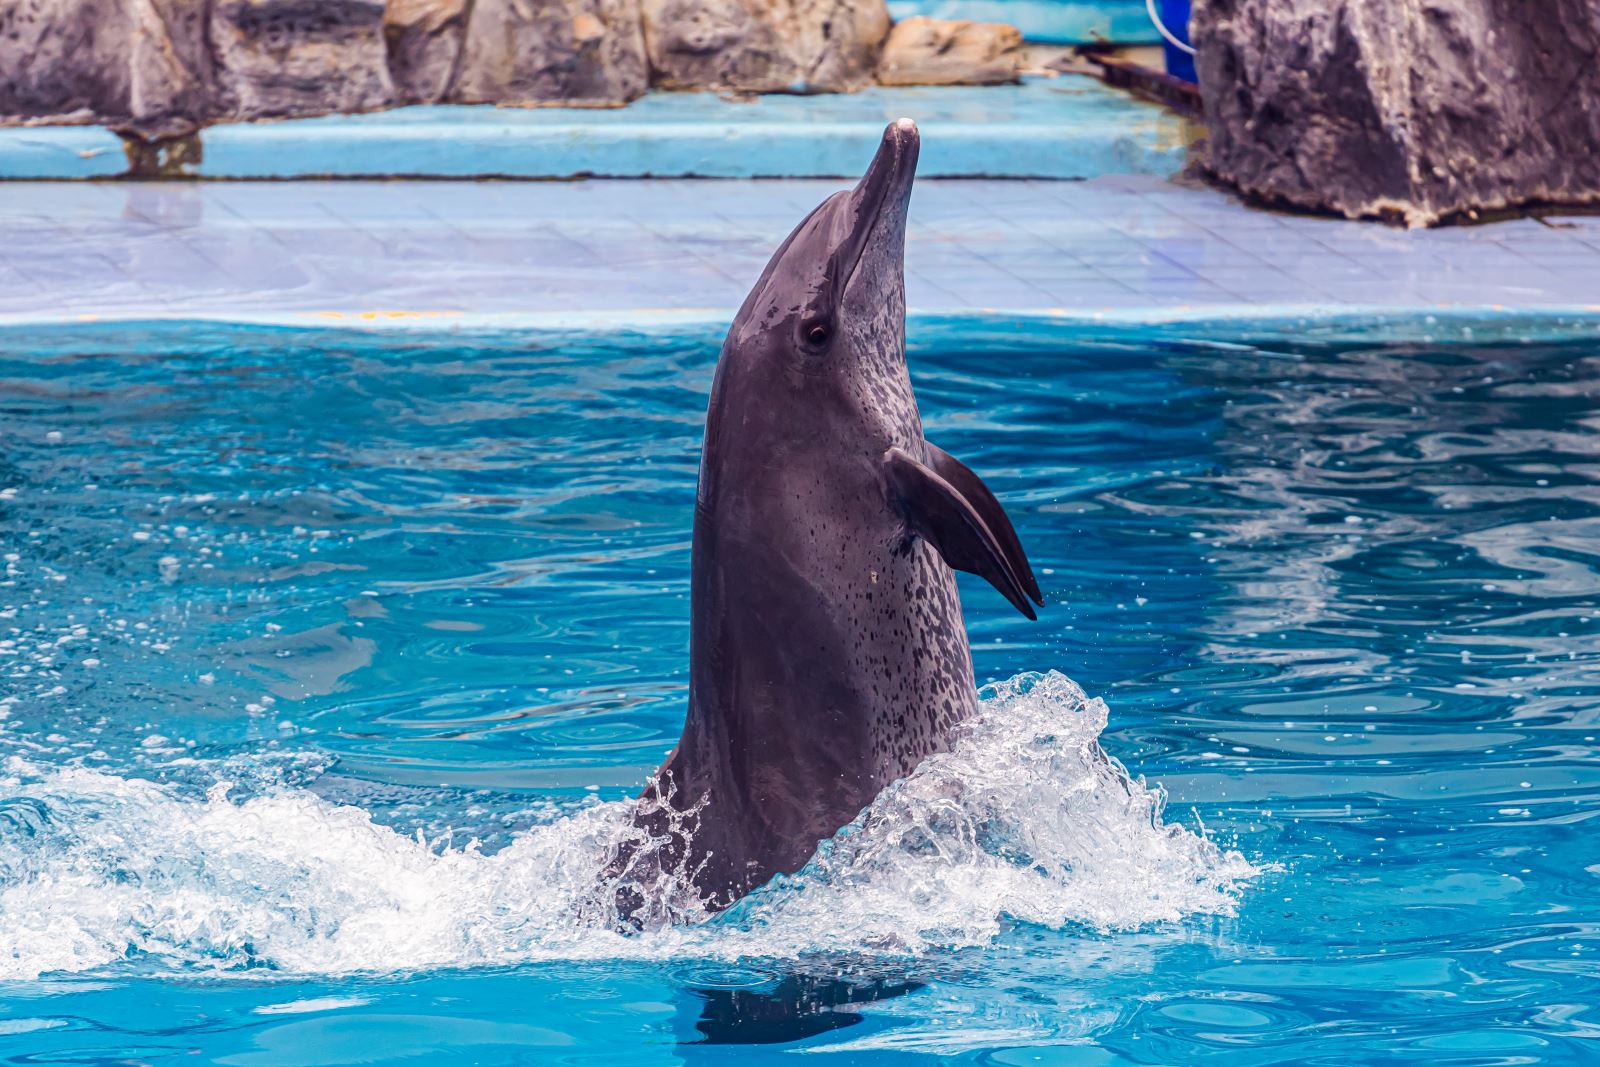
(817, 334)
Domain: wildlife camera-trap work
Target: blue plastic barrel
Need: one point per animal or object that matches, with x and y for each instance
(1175, 16)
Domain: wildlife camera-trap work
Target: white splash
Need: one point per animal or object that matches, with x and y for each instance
(1027, 820)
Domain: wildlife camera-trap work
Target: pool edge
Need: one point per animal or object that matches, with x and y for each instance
(1421, 323)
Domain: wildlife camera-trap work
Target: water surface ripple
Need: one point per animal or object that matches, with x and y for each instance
(399, 593)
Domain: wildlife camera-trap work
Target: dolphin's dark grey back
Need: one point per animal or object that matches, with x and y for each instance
(828, 653)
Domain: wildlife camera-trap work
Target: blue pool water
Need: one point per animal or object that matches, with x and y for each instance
(327, 661)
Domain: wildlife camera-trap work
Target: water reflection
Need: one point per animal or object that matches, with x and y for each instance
(793, 1007)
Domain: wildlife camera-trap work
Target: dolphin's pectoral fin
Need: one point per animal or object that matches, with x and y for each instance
(941, 515)
(983, 501)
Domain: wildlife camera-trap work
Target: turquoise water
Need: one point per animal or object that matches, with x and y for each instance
(328, 660)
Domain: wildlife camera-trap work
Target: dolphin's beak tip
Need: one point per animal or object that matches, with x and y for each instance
(889, 177)
(902, 143)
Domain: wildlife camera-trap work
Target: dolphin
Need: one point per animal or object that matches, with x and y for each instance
(828, 657)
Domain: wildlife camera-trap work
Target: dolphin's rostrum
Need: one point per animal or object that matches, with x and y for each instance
(828, 654)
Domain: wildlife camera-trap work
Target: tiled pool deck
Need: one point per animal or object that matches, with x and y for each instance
(1116, 247)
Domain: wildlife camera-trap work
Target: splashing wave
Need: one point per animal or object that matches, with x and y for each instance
(1027, 820)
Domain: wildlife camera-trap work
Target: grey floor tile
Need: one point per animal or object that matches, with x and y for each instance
(260, 248)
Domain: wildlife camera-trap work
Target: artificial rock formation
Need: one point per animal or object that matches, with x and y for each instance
(158, 70)
(765, 46)
(551, 51)
(424, 41)
(1412, 110)
(276, 58)
(130, 64)
(925, 51)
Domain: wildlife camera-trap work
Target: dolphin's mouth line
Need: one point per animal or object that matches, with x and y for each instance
(863, 234)
(883, 176)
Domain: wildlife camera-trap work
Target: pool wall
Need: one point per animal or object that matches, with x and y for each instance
(1066, 127)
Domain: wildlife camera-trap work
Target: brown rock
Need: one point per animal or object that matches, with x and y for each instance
(424, 39)
(764, 46)
(924, 51)
(1413, 110)
(551, 51)
(137, 65)
(277, 58)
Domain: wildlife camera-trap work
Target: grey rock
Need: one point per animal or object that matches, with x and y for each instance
(424, 39)
(551, 51)
(136, 65)
(926, 51)
(279, 58)
(1410, 110)
(764, 46)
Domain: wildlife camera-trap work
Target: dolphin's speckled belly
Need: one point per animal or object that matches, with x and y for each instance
(910, 652)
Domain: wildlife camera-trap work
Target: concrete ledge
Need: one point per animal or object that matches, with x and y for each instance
(60, 152)
(1066, 127)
